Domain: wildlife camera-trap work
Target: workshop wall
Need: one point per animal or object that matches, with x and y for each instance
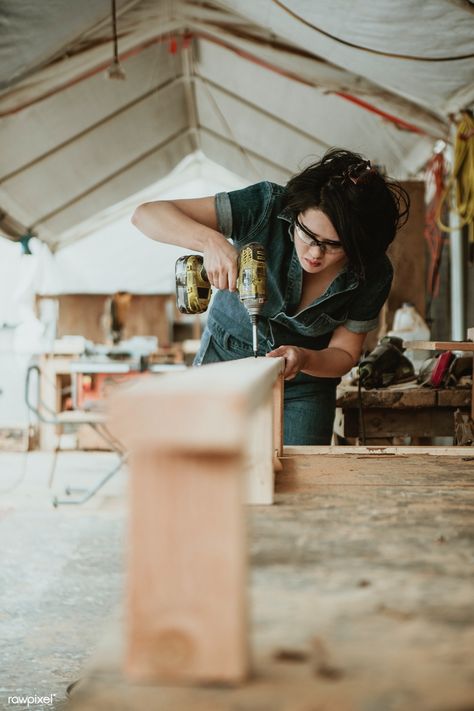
(408, 256)
(87, 315)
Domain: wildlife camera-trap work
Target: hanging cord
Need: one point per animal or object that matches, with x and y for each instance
(115, 70)
(434, 236)
(462, 179)
(371, 50)
(361, 412)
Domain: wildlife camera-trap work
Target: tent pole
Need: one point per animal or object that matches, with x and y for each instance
(457, 263)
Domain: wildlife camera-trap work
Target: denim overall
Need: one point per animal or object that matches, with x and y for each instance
(256, 214)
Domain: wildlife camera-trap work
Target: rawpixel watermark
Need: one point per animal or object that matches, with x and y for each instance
(31, 700)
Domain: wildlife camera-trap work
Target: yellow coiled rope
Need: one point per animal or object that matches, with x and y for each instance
(462, 178)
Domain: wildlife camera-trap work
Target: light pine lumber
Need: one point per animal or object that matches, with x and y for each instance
(278, 389)
(439, 345)
(260, 482)
(200, 409)
(361, 593)
(193, 436)
(374, 451)
(186, 602)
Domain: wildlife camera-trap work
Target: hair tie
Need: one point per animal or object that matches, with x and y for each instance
(359, 172)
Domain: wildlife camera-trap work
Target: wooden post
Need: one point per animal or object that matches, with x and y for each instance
(190, 435)
(186, 609)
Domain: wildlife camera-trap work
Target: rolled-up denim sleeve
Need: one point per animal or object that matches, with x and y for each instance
(364, 311)
(224, 214)
(240, 213)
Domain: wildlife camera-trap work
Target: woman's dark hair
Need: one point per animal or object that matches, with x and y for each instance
(365, 207)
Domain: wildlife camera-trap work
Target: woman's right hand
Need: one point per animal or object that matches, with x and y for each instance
(192, 224)
(220, 263)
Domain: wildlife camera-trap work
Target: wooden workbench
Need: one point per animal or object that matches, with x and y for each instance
(60, 373)
(462, 346)
(406, 410)
(361, 592)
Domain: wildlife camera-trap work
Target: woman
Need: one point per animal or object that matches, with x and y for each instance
(325, 234)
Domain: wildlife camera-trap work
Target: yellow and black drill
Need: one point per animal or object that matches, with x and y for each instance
(193, 290)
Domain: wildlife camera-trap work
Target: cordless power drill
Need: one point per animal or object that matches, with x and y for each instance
(193, 290)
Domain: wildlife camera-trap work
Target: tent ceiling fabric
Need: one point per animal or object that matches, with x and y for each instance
(262, 88)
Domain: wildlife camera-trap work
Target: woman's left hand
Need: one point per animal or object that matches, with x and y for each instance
(294, 359)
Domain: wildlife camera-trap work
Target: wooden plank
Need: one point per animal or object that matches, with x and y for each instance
(390, 398)
(365, 451)
(361, 598)
(278, 401)
(457, 397)
(191, 436)
(80, 417)
(439, 345)
(186, 618)
(199, 409)
(403, 399)
(427, 422)
(300, 473)
(260, 454)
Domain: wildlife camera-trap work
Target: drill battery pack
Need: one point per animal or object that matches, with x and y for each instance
(193, 290)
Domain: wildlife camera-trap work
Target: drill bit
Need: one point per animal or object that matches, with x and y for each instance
(254, 335)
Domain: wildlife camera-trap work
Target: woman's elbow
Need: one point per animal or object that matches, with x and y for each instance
(140, 215)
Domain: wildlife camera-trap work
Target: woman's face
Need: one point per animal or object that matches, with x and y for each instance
(316, 241)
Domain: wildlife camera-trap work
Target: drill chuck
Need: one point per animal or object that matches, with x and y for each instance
(252, 284)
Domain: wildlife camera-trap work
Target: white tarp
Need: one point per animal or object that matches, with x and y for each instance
(259, 87)
(117, 257)
(114, 256)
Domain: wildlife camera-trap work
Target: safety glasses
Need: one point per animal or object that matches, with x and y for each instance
(325, 245)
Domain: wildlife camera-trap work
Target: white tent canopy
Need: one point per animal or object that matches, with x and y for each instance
(112, 255)
(260, 87)
(117, 257)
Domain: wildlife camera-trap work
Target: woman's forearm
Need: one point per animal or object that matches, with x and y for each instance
(164, 222)
(191, 224)
(327, 363)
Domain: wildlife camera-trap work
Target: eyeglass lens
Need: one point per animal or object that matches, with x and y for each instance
(313, 241)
